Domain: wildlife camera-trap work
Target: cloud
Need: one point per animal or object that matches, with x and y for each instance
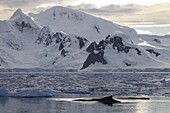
(30, 3)
(27, 5)
(130, 13)
(155, 29)
(18, 3)
(140, 31)
(106, 10)
(4, 13)
(83, 6)
(46, 5)
(122, 14)
(147, 25)
(168, 33)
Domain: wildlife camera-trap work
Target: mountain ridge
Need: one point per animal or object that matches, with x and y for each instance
(79, 23)
(64, 38)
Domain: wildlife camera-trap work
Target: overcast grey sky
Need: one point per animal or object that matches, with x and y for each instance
(126, 12)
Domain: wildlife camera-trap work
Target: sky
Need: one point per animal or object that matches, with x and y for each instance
(146, 16)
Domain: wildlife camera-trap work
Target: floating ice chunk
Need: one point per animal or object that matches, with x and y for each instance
(3, 92)
(77, 91)
(34, 93)
(51, 91)
(162, 92)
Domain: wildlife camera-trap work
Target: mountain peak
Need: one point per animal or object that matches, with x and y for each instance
(61, 8)
(17, 12)
(65, 13)
(22, 20)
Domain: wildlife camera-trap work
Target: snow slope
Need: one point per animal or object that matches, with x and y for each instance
(157, 46)
(17, 39)
(75, 22)
(64, 38)
(117, 51)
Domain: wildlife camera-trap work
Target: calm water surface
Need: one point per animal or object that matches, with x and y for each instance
(155, 85)
(65, 105)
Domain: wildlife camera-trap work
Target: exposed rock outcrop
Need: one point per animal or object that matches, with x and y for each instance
(151, 51)
(97, 51)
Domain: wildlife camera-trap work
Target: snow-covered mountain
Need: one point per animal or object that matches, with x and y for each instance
(117, 51)
(75, 22)
(64, 38)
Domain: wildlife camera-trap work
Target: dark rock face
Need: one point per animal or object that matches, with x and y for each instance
(106, 100)
(58, 36)
(157, 40)
(63, 42)
(61, 46)
(14, 46)
(46, 37)
(101, 46)
(117, 43)
(82, 42)
(94, 57)
(48, 40)
(97, 28)
(97, 51)
(63, 53)
(128, 64)
(22, 25)
(138, 51)
(91, 47)
(153, 52)
(68, 41)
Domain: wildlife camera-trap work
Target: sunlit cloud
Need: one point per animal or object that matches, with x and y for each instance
(168, 33)
(6, 13)
(140, 31)
(149, 25)
(101, 3)
(46, 5)
(155, 29)
(133, 12)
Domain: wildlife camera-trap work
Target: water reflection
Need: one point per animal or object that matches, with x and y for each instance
(142, 107)
(157, 105)
(46, 105)
(3, 100)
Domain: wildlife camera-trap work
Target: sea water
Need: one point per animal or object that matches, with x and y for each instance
(153, 85)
